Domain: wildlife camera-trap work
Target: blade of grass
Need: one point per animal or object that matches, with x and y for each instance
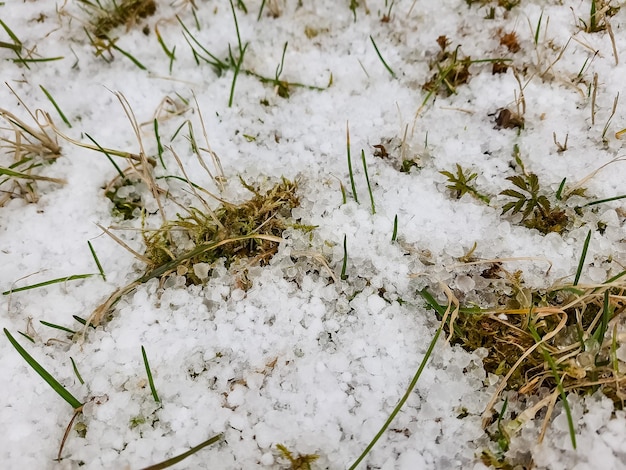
(101, 149)
(57, 327)
(158, 140)
(150, 380)
(367, 178)
(174, 460)
(344, 276)
(583, 255)
(395, 228)
(598, 335)
(82, 321)
(431, 301)
(75, 277)
(56, 386)
(559, 192)
(602, 201)
(129, 56)
(27, 337)
(95, 258)
(559, 384)
(393, 74)
(242, 51)
(354, 194)
(56, 106)
(78, 376)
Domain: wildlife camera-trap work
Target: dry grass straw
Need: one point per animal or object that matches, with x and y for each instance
(29, 147)
(578, 327)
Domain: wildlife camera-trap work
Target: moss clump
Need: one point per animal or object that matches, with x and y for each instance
(231, 232)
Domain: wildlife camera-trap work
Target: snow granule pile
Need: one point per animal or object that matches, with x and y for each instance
(408, 135)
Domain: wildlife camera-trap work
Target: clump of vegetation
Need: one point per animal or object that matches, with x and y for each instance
(301, 462)
(598, 14)
(232, 231)
(460, 184)
(451, 70)
(25, 149)
(536, 209)
(125, 194)
(104, 17)
(506, 4)
(544, 343)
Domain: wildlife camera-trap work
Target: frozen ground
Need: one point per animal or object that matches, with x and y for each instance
(295, 355)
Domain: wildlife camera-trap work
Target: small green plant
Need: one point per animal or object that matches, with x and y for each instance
(460, 184)
(149, 373)
(600, 10)
(537, 211)
(106, 16)
(451, 70)
(301, 462)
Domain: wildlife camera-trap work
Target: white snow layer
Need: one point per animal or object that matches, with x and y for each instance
(299, 359)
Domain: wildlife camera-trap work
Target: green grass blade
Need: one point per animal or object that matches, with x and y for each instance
(78, 376)
(56, 386)
(394, 235)
(101, 149)
(538, 28)
(152, 387)
(615, 278)
(47, 283)
(174, 460)
(583, 255)
(559, 192)
(344, 276)
(602, 201)
(129, 56)
(598, 335)
(367, 178)
(158, 140)
(57, 327)
(354, 194)
(56, 106)
(27, 337)
(393, 74)
(95, 258)
(17, 44)
(559, 385)
(425, 294)
(231, 97)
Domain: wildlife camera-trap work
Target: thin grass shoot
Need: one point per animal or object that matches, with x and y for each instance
(149, 373)
(48, 378)
(56, 106)
(95, 258)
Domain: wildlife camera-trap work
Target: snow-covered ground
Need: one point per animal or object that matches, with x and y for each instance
(295, 355)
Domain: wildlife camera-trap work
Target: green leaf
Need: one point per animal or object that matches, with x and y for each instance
(56, 386)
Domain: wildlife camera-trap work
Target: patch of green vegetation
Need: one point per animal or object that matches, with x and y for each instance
(247, 230)
(557, 339)
(459, 184)
(506, 4)
(125, 194)
(25, 149)
(299, 462)
(536, 209)
(106, 16)
(600, 10)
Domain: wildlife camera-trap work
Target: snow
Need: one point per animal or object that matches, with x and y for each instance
(300, 358)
